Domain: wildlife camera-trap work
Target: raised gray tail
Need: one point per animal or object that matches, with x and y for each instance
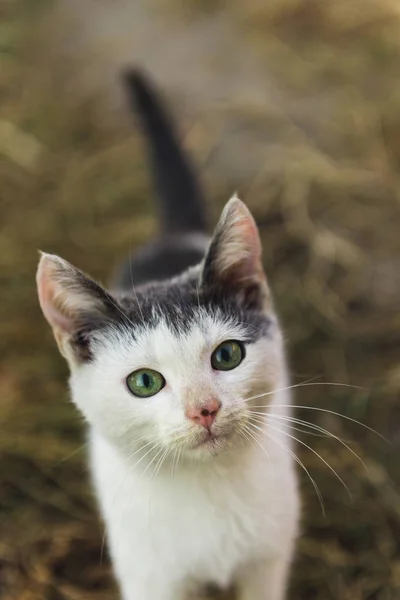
(182, 240)
(179, 196)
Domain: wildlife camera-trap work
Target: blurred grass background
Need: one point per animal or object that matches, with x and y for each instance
(294, 103)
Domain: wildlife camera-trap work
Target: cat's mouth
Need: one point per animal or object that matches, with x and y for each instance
(210, 439)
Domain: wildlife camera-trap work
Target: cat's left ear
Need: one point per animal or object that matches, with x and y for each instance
(73, 304)
(234, 260)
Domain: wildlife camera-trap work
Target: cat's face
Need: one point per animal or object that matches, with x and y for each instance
(173, 367)
(152, 382)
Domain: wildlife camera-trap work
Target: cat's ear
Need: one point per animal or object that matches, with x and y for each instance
(73, 304)
(234, 262)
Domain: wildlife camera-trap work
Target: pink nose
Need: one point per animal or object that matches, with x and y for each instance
(204, 414)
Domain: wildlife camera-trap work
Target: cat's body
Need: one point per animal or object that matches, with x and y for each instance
(175, 533)
(195, 479)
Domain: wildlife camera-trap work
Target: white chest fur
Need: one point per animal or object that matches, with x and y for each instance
(201, 523)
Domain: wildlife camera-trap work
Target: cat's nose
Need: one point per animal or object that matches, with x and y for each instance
(205, 414)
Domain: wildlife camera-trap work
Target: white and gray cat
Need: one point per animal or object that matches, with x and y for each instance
(180, 372)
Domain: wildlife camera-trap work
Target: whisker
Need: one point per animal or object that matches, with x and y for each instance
(135, 441)
(177, 457)
(160, 463)
(120, 486)
(305, 384)
(309, 448)
(302, 465)
(242, 431)
(103, 543)
(120, 310)
(160, 451)
(325, 410)
(310, 379)
(324, 431)
(142, 447)
(305, 431)
(254, 437)
(173, 463)
(197, 293)
(71, 454)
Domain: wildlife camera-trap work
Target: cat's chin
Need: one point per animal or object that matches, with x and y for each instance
(208, 447)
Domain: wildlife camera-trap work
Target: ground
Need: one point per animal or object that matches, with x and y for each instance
(316, 156)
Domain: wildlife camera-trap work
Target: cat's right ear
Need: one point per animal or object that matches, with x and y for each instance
(73, 304)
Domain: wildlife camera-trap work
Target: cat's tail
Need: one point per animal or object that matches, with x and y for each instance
(179, 194)
(183, 238)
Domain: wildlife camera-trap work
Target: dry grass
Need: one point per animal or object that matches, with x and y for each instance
(324, 184)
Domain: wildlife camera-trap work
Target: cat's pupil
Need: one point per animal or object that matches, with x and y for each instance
(225, 354)
(146, 380)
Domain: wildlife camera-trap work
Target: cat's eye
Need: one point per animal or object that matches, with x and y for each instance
(227, 356)
(145, 383)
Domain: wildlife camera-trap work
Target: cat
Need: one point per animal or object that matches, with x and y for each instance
(180, 372)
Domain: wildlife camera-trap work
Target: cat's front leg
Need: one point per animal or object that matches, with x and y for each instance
(264, 580)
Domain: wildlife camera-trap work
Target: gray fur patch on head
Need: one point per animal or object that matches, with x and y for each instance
(182, 303)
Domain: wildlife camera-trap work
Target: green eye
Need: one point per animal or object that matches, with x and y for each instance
(227, 356)
(145, 383)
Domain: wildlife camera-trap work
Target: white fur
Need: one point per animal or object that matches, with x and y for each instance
(225, 514)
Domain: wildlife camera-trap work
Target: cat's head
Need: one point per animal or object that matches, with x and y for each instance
(171, 365)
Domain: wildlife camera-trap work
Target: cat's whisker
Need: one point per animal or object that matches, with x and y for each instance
(163, 460)
(133, 443)
(147, 438)
(197, 293)
(300, 385)
(103, 543)
(305, 431)
(301, 464)
(177, 455)
(309, 448)
(138, 303)
(142, 447)
(160, 463)
(254, 437)
(249, 325)
(311, 379)
(323, 431)
(324, 410)
(73, 453)
(121, 311)
(153, 448)
(120, 486)
(243, 432)
(160, 451)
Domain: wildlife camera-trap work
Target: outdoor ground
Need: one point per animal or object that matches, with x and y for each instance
(297, 106)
